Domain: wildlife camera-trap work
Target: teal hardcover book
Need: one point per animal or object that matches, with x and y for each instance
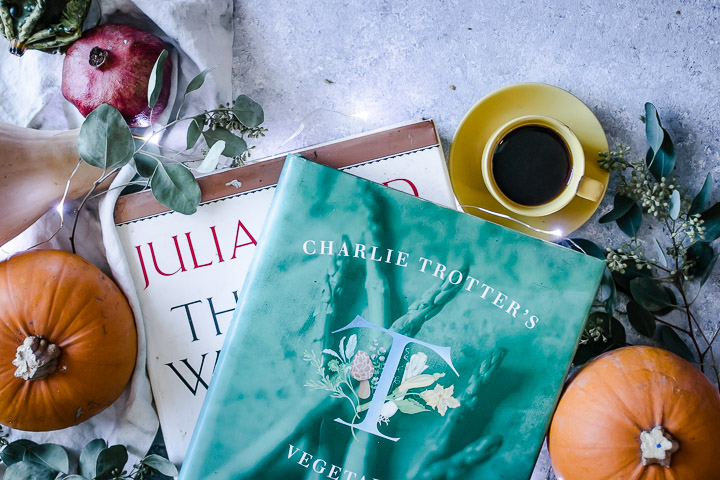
(379, 336)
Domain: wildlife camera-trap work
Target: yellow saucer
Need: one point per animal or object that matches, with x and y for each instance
(500, 107)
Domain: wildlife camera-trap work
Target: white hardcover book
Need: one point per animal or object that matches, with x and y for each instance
(188, 270)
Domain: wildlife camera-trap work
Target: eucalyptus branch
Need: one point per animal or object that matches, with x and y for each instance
(659, 282)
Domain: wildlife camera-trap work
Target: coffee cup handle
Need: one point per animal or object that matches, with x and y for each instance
(590, 189)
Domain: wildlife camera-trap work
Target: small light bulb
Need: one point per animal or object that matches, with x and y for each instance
(59, 207)
(363, 115)
(556, 233)
(152, 138)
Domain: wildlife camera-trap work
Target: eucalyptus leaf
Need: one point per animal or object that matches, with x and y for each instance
(702, 254)
(711, 217)
(105, 140)
(174, 186)
(161, 464)
(701, 199)
(198, 81)
(49, 455)
(248, 111)
(194, 130)
(669, 338)
(212, 158)
(608, 292)
(709, 270)
(156, 79)
(145, 164)
(659, 252)
(631, 221)
(672, 306)
(89, 456)
(622, 280)
(653, 127)
(234, 145)
(586, 246)
(661, 152)
(640, 319)
(28, 471)
(617, 333)
(613, 336)
(621, 205)
(649, 294)
(14, 452)
(675, 204)
(110, 459)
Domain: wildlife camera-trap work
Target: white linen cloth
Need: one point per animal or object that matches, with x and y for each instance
(201, 35)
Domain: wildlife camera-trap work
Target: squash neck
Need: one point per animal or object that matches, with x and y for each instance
(36, 358)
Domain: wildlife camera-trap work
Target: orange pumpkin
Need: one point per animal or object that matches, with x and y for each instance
(637, 413)
(67, 341)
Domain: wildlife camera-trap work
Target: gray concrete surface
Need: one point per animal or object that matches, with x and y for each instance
(400, 60)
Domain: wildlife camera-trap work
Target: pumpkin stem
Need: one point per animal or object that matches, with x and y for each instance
(657, 445)
(36, 358)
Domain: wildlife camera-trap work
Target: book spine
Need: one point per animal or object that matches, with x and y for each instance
(237, 327)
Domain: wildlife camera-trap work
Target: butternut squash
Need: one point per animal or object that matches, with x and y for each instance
(35, 166)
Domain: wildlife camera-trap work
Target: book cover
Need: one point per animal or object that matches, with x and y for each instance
(379, 336)
(188, 270)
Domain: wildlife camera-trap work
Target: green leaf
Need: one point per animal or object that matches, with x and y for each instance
(156, 79)
(198, 81)
(145, 164)
(675, 205)
(653, 127)
(109, 459)
(631, 221)
(703, 254)
(614, 334)
(212, 158)
(105, 140)
(50, 455)
(161, 464)
(659, 252)
(669, 339)
(673, 303)
(586, 246)
(709, 270)
(622, 280)
(89, 456)
(249, 112)
(701, 199)
(194, 130)
(621, 205)
(649, 294)
(234, 145)
(28, 471)
(608, 292)
(15, 451)
(409, 406)
(640, 319)
(617, 332)
(660, 157)
(711, 217)
(175, 187)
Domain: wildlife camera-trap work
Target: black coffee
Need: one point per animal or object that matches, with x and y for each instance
(531, 165)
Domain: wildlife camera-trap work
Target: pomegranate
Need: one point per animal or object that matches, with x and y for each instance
(111, 64)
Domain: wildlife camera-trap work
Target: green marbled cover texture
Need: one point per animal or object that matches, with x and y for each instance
(507, 309)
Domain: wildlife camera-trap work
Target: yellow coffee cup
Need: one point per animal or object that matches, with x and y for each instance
(535, 165)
